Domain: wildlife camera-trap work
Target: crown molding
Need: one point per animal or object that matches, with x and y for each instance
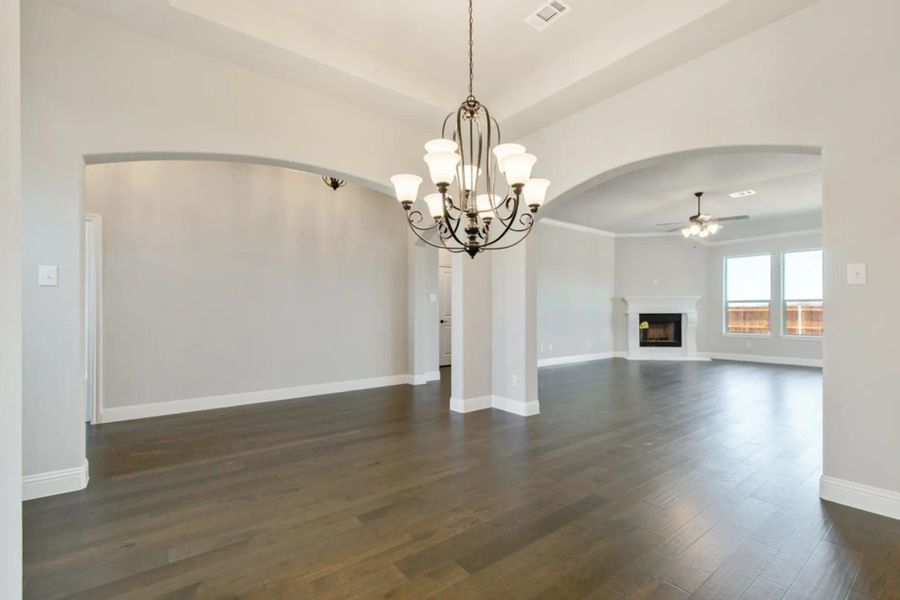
(612, 234)
(575, 227)
(770, 236)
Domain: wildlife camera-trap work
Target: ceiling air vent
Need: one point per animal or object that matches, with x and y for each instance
(548, 14)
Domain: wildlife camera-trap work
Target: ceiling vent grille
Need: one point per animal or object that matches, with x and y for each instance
(548, 14)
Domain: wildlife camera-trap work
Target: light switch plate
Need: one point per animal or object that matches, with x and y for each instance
(856, 274)
(48, 275)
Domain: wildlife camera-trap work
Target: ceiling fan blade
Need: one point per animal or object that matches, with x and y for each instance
(732, 218)
(670, 224)
(679, 228)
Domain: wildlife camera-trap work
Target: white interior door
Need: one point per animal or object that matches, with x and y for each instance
(445, 310)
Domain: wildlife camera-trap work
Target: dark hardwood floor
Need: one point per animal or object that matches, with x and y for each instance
(638, 480)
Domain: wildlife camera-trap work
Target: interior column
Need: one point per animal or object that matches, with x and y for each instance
(470, 371)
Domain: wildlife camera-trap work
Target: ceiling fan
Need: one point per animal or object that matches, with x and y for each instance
(701, 225)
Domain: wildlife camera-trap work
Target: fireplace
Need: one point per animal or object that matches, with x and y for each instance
(660, 330)
(662, 327)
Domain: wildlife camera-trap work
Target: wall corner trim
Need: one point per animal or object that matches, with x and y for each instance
(465, 405)
(858, 495)
(516, 407)
(51, 483)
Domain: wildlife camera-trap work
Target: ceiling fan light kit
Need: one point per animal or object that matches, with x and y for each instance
(470, 216)
(701, 225)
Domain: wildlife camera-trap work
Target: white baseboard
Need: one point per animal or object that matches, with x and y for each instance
(174, 407)
(464, 405)
(55, 482)
(516, 407)
(857, 495)
(669, 358)
(432, 375)
(575, 358)
(760, 358)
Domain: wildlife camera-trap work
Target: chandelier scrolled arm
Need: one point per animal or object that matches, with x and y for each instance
(469, 158)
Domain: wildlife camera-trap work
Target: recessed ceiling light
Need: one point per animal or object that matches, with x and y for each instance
(742, 193)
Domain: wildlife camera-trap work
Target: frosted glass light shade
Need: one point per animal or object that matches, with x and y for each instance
(442, 166)
(694, 229)
(501, 151)
(484, 204)
(441, 145)
(713, 227)
(406, 187)
(686, 232)
(435, 204)
(468, 176)
(703, 233)
(518, 167)
(535, 191)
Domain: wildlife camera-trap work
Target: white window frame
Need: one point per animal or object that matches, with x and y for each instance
(771, 302)
(783, 334)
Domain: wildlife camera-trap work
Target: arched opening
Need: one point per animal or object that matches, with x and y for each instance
(230, 280)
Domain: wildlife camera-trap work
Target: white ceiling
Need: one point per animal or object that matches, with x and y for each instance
(410, 56)
(788, 186)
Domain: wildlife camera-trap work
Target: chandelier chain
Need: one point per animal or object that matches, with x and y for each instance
(471, 50)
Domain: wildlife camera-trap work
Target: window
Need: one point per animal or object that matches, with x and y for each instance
(802, 285)
(748, 294)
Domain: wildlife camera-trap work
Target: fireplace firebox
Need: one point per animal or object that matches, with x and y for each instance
(660, 330)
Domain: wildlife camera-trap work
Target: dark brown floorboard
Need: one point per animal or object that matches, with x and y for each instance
(638, 480)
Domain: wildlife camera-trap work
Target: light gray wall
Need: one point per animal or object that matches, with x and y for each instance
(221, 278)
(86, 91)
(10, 305)
(775, 344)
(575, 289)
(657, 266)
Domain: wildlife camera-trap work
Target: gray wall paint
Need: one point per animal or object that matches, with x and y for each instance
(575, 278)
(225, 277)
(10, 305)
(774, 344)
(657, 266)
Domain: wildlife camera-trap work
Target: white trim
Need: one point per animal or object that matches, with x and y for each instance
(51, 483)
(464, 405)
(174, 407)
(669, 358)
(424, 378)
(858, 495)
(651, 234)
(432, 375)
(574, 358)
(575, 227)
(95, 270)
(770, 236)
(763, 358)
(516, 407)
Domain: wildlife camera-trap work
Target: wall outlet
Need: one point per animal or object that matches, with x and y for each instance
(514, 380)
(542, 348)
(856, 274)
(551, 347)
(48, 275)
(432, 297)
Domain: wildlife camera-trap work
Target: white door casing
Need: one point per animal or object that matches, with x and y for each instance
(445, 312)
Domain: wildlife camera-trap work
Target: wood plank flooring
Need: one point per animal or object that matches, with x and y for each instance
(638, 480)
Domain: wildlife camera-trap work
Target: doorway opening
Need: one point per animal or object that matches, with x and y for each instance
(445, 307)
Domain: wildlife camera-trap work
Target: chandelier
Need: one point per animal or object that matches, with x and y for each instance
(466, 165)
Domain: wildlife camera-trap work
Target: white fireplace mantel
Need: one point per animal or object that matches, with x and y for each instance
(685, 305)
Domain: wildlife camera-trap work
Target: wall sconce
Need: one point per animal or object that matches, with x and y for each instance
(334, 183)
